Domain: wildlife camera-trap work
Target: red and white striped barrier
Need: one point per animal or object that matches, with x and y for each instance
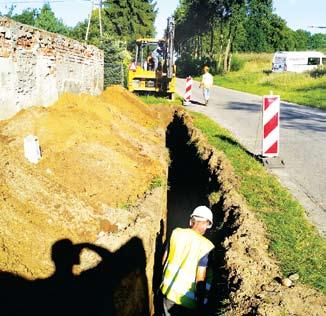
(133, 67)
(187, 95)
(271, 126)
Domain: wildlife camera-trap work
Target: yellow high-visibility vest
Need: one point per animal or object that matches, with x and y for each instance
(186, 249)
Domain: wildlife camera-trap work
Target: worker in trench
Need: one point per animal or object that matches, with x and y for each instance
(185, 264)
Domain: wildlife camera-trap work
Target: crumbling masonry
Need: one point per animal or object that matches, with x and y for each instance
(37, 66)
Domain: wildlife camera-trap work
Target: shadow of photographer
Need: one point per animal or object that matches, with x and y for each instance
(117, 285)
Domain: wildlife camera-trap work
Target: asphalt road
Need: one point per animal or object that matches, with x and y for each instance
(302, 141)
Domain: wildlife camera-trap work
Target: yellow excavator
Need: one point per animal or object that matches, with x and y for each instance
(153, 69)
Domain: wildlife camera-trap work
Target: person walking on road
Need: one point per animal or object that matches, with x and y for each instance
(206, 84)
(185, 264)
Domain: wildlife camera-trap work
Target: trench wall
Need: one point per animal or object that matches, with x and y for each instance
(246, 276)
(37, 66)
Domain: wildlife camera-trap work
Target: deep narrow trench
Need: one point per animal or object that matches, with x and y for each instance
(188, 177)
(190, 184)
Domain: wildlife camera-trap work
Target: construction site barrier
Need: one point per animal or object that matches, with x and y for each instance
(187, 95)
(271, 126)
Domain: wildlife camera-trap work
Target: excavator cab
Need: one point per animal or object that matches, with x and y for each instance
(153, 69)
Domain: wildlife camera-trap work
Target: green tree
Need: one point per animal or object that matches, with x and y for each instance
(318, 41)
(125, 19)
(131, 19)
(302, 39)
(209, 31)
(46, 20)
(28, 16)
(280, 37)
(208, 27)
(257, 25)
(116, 60)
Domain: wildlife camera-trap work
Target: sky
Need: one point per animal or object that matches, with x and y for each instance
(299, 14)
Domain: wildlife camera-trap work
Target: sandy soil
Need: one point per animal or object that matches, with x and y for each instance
(98, 154)
(101, 156)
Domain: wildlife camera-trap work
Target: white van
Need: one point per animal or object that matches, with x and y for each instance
(297, 61)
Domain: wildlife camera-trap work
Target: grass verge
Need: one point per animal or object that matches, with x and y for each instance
(152, 99)
(294, 241)
(255, 77)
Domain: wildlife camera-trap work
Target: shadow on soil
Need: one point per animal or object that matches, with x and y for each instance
(190, 184)
(117, 285)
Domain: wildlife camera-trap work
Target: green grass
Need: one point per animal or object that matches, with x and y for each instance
(294, 241)
(255, 78)
(152, 99)
(156, 183)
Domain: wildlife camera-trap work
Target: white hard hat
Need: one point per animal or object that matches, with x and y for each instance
(202, 213)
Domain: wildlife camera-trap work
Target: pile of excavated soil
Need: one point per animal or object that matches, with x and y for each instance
(102, 181)
(99, 155)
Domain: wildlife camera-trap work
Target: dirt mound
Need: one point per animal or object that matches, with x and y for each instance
(99, 155)
(102, 182)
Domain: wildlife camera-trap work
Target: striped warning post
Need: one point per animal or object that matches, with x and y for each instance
(187, 95)
(271, 126)
(133, 67)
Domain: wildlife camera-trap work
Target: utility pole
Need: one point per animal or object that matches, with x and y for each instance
(100, 17)
(95, 4)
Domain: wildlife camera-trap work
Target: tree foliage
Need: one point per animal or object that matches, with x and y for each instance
(28, 16)
(210, 31)
(123, 21)
(132, 18)
(116, 60)
(44, 19)
(126, 20)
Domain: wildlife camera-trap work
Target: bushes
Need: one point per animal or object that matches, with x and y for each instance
(318, 72)
(115, 61)
(237, 63)
(190, 66)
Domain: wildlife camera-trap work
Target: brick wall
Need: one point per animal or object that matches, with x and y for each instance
(36, 66)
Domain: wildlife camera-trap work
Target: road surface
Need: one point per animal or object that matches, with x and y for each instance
(302, 141)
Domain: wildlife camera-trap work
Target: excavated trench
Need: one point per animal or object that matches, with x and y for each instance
(192, 183)
(114, 250)
(245, 277)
